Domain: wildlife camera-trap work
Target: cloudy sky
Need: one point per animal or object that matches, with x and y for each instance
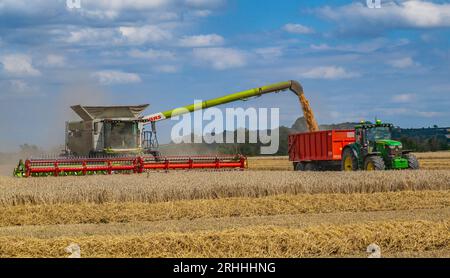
(353, 61)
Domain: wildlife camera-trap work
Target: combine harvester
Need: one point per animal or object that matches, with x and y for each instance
(116, 139)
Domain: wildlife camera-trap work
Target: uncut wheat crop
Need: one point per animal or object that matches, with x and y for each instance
(161, 187)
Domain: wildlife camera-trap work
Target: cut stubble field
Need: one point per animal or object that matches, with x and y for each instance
(229, 214)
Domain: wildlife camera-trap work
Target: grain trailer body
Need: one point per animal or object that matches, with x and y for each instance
(319, 150)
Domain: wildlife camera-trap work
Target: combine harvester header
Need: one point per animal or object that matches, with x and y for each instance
(114, 139)
(125, 165)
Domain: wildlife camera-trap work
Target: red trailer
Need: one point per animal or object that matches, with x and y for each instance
(319, 150)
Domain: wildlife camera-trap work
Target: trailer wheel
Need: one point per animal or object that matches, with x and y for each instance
(374, 163)
(310, 166)
(298, 166)
(349, 161)
(413, 163)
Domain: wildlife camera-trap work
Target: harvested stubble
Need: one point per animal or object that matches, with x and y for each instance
(227, 207)
(434, 155)
(297, 221)
(249, 242)
(161, 187)
(436, 164)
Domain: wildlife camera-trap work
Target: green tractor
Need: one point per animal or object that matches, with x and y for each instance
(375, 150)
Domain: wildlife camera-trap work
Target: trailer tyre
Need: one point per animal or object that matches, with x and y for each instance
(298, 166)
(413, 163)
(374, 163)
(309, 166)
(349, 160)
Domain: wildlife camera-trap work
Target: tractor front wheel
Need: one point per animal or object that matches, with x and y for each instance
(413, 163)
(349, 161)
(374, 163)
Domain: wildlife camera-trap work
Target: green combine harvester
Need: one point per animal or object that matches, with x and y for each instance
(374, 149)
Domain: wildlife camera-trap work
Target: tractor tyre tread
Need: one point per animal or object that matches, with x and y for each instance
(349, 152)
(377, 161)
(413, 163)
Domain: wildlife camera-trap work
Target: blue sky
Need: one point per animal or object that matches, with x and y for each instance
(354, 62)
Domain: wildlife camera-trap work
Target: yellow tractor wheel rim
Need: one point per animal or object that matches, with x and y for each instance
(370, 166)
(348, 163)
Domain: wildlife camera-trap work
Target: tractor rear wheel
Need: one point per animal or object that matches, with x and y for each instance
(349, 161)
(374, 163)
(413, 163)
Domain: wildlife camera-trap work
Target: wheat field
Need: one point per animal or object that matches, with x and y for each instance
(273, 213)
(428, 160)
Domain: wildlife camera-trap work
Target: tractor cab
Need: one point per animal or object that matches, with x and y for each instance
(374, 137)
(374, 149)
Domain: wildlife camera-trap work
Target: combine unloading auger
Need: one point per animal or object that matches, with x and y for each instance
(107, 133)
(292, 85)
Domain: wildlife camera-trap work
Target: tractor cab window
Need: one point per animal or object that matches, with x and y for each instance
(358, 134)
(378, 133)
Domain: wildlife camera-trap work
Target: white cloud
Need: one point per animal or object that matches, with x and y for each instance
(297, 29)
(111, 9)
(201, 13)
(399, 111)
(221, 58)
(404, 98)
(109, 77)
(19, 85)
(430, 114)
(322, 46)
(398, 14)
(269, 53)
(167, 69)
(368, 46)
(402, 63)
(328, 72)
(92, 36)
(152, 54)
(144, 34)
(202, 40)
(124, 35)
(53, 60)
(19, 64)
(204, 3)
(125, 4)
